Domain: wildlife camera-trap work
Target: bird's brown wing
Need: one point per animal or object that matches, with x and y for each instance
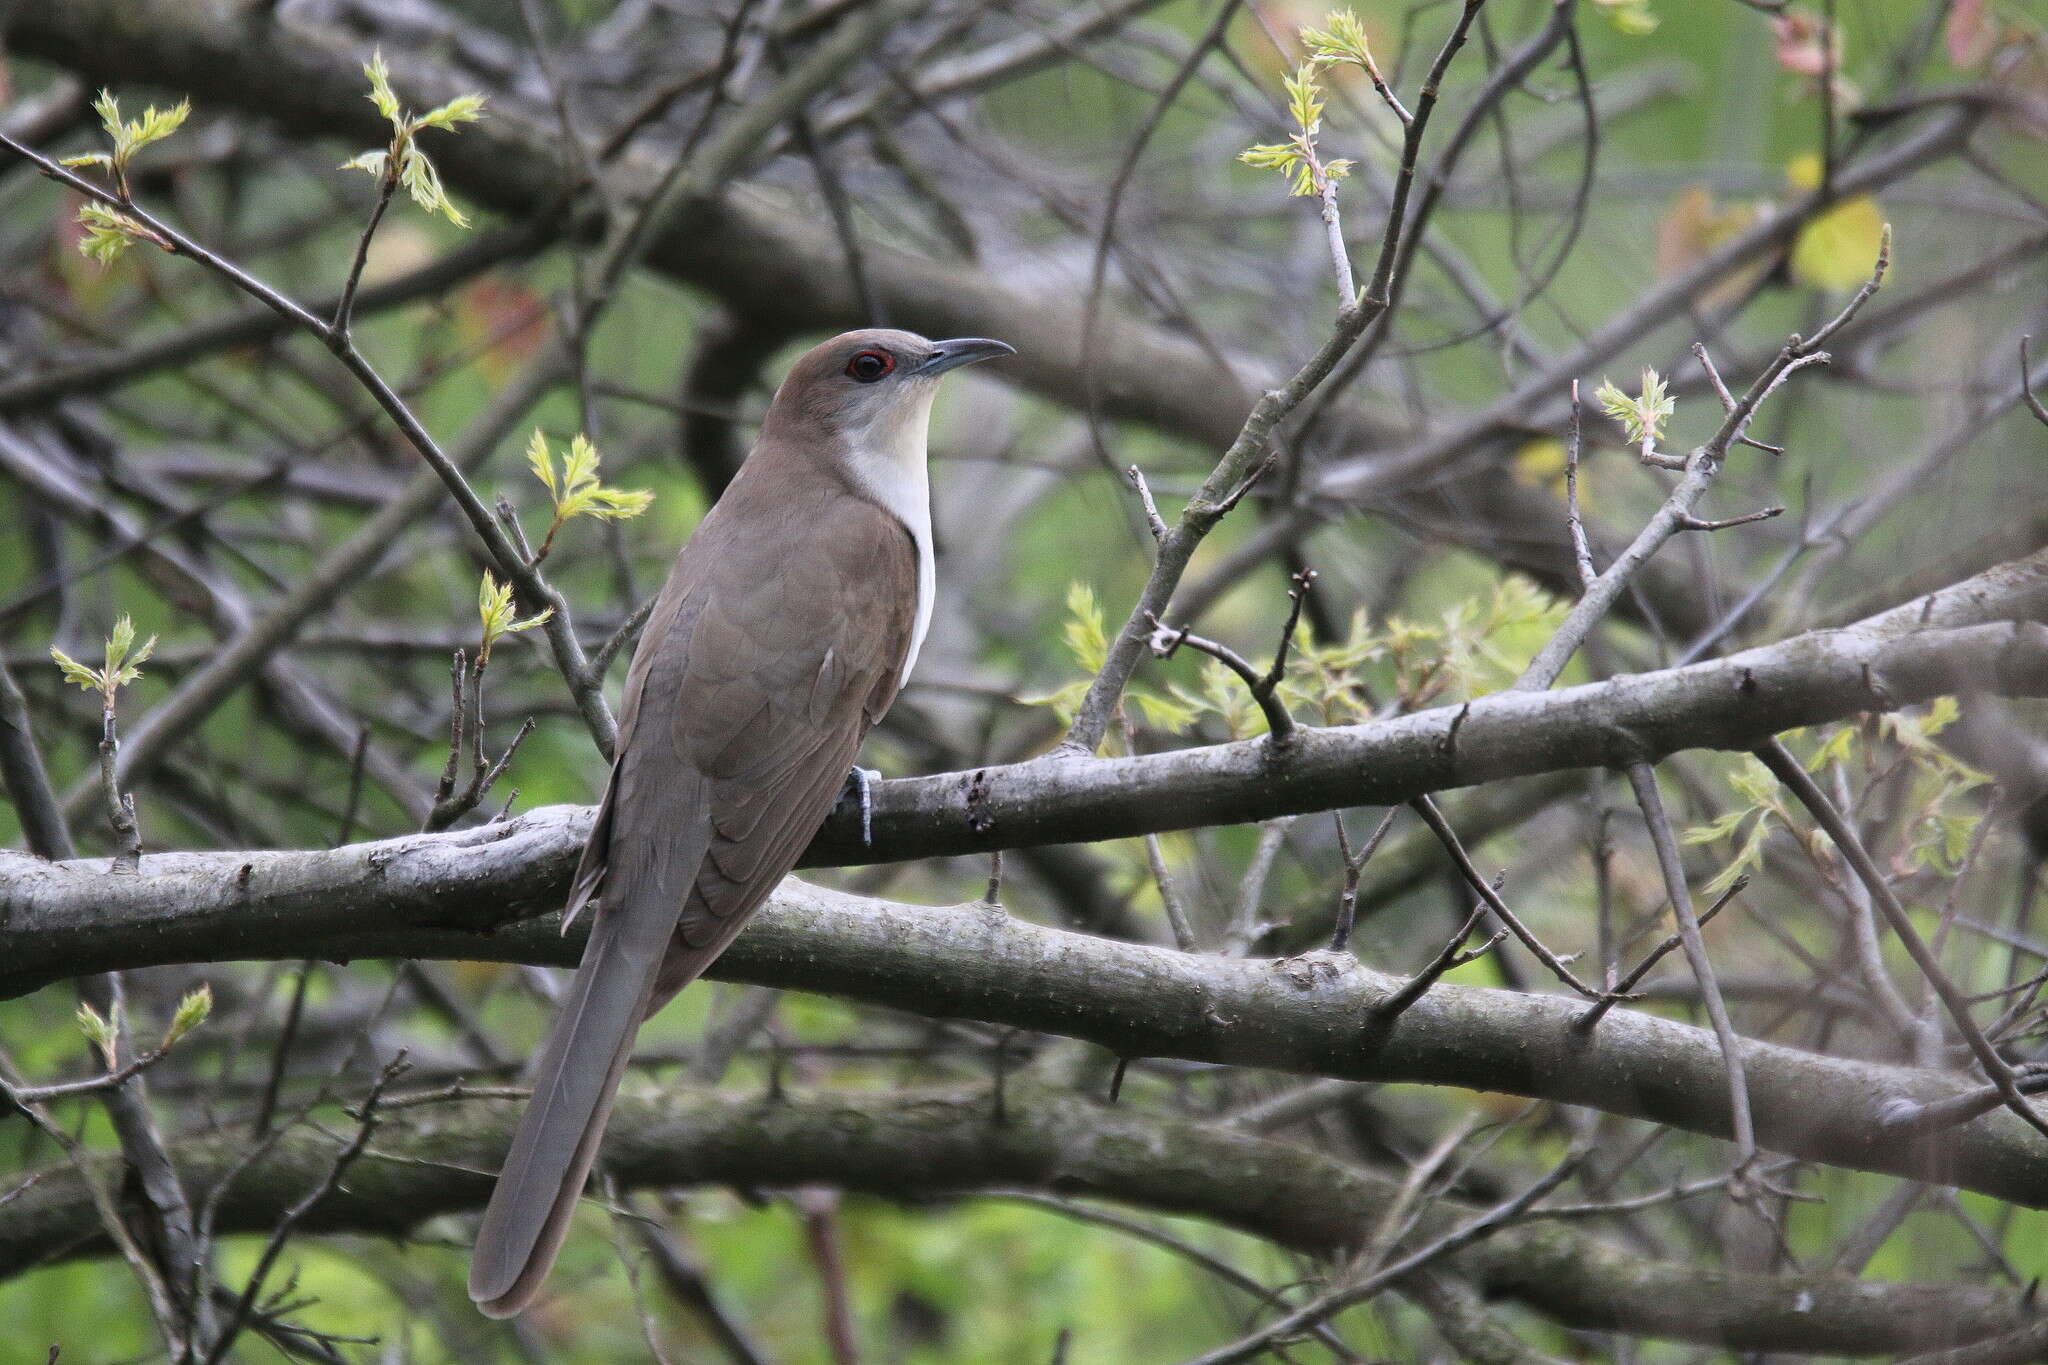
(775, 748)
(763, 666)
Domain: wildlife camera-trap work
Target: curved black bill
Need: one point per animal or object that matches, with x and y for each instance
(951, 355)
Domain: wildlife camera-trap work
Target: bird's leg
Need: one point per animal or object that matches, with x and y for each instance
(858, 784)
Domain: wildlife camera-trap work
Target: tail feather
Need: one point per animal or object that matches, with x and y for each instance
(575, 1083)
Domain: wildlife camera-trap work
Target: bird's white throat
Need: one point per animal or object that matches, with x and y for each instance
(886, 456)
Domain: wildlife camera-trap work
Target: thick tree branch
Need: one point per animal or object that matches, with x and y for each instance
(452, 895)
(435, 1159)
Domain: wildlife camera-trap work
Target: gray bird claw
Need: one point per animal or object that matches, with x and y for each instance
(861, 779)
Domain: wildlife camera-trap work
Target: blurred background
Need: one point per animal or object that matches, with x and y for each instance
(1599, 186)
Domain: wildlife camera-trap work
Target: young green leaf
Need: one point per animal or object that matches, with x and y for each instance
(108, 234)
(381, 93)
(192, 1012)
(1643, 415)
(76, 672)
(1302, 101)
(423, 183)
(122, 667)
(495, 607)
(541, 462)
(121, 641)
(461, 109)
(575, 491)
(1342, 39)
(1283, 157)
(1086, 636)
(103, 1033)
(373, 162)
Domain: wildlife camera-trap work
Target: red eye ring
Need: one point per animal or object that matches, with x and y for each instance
(868, 366)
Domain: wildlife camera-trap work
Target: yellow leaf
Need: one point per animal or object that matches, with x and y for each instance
(540, 461)
(1837, 249)
(1802, 172)
(1540, 464)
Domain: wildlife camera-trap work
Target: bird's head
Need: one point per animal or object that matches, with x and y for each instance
(871, 389)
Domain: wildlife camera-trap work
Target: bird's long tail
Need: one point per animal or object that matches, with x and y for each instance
(574, 1085)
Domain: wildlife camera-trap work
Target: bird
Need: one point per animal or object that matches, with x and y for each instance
(786, 626)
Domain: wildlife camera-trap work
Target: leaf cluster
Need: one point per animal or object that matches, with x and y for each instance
(575, 489)
(107, 232)
(129, 136)
(122, 663)
(1475, 646)
(500, 616)
(1297, 157)
(403, 163)
(1644, 415)
(103, 1031)
(1341, 41)
(1897, 752)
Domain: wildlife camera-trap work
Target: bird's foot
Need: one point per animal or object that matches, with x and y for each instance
(859, 782)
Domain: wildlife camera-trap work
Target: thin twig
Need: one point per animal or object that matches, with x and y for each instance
(1417, 986)
(1247, 926)
(1788, 770)
(1628, 983)
(1688, 522)
(120, 805)
(1153, 521)
(1434, 818)
(2034, 404)
(1297, 595)
(1582, 553)
(1354, 865)
(1162, 876)
(601, 658)
(344, 311)
(1643, 780)
(1164, 641)
(1257, 1343)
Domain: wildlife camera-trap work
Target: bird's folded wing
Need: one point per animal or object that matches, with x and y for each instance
(775, 739)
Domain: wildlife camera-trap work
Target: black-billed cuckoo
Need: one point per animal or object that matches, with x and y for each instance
(782, 634)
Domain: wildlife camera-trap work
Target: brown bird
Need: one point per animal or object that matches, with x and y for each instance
(785, 628)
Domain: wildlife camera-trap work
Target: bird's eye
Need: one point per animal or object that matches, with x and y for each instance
(868, 366)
